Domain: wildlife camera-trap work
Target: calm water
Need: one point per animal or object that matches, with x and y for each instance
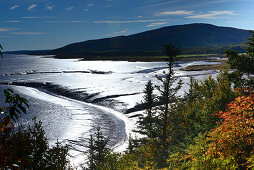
(73, 97)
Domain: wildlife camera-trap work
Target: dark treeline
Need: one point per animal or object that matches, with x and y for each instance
(132, 54)
(142, 54)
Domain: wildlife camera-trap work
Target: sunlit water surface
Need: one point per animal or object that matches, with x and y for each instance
(113, 86)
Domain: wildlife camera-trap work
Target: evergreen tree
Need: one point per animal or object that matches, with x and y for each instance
(146, 122)
(250, 45)
(243, 63)
(133, 144)
(168, 91)
(39, 144)
(98, 150)
(91, 153)
(168, 101)
(29, 149)
(56, 157)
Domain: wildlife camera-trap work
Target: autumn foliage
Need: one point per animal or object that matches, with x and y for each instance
(229, 145)
(234, 137)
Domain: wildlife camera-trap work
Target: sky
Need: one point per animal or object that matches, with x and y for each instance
(49, 24)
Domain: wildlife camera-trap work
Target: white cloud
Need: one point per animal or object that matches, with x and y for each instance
(117, 33)
(156, 24)
(86, 10)
(179, 12)
(29, 17)
(28, 33)
(31, 7)
(14, 21)
(50, 7)
(242, 21)
(71, 21)
(127, 21)
(7, 29)
(4, 29)
(69, 8)
(34, 17)
(211, 14)
(160, 3)
(90, 4)
(14, 7)
(218, 1)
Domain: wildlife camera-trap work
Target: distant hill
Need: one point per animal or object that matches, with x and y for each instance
(189, 36)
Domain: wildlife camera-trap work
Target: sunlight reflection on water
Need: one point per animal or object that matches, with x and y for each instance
(65, 118)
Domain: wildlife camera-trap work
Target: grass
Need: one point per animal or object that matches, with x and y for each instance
(206, 67)
(202, 67)
(197, 55)
(193, 56)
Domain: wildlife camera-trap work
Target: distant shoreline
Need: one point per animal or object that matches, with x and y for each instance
(192, 57)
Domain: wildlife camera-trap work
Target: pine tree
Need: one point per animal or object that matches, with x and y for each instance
(98, 150)
(250, 45)
(133, 144)
(146, 122)
(168, 91)
(91, 153)
(243, 63)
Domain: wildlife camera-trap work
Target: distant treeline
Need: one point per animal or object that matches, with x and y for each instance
(240, 48)
(117, 54)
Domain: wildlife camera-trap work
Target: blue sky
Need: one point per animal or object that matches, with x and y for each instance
(48, 24)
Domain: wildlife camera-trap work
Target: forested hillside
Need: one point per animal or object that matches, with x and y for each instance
(192, 38)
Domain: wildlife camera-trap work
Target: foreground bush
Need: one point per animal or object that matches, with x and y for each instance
(229, 146)
(26, 148)
(29, 149)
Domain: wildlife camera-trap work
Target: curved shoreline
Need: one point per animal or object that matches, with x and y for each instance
(123, 125)
(78, 95)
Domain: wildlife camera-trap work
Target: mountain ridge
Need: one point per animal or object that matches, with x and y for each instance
(183, 36)
(192, 38)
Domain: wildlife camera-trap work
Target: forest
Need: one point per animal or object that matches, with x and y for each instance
(210, 127)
